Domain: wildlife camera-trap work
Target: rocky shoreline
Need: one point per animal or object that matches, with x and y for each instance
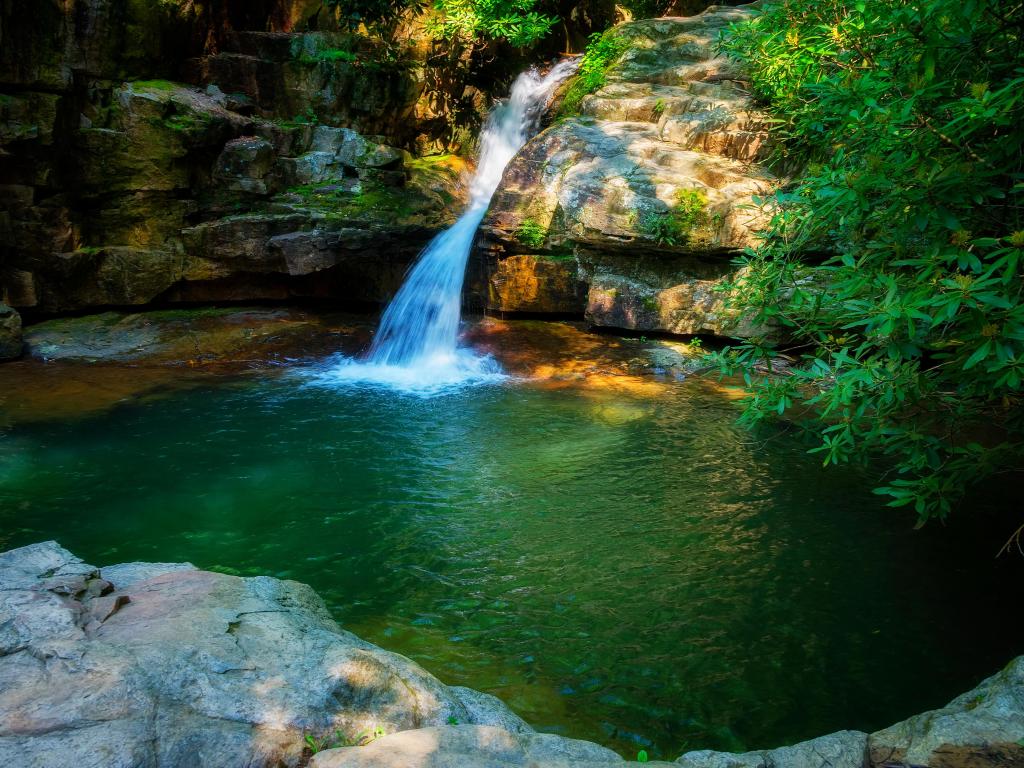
(162, 664)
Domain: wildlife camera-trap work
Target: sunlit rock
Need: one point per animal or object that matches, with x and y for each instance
(460, 746)
(540, 284)
(652, 186)
(179, 664)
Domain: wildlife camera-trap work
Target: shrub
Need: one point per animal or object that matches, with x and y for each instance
(513, 20)
(680, 224)
(531, 234)
(603, 51)
(907, 118)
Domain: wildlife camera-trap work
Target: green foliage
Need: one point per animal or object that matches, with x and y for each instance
(603, 51)
(353, 13)
(309, 117)
(908, 119)
(513, 20)
(681, 224)
(162, 86)
(330, 54)
(341, 740)
(531, 234)
(646, 9)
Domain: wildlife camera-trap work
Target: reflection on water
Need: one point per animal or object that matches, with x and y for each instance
(633, 570)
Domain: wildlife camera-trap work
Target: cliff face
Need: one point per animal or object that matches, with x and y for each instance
(156, 152)
(123, 185)
(630, 211)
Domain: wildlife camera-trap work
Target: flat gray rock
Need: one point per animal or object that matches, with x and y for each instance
(129, 574)
(843, 749)
(171, 666)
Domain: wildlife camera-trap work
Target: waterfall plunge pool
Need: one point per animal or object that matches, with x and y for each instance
(592, 539)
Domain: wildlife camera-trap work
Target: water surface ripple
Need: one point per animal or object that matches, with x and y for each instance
(637, 571)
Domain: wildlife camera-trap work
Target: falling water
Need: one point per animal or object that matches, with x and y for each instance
(416, 346)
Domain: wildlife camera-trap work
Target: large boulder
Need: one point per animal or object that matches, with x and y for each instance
(11, 342)
(983, 728)
(651, 185)
(181, 667)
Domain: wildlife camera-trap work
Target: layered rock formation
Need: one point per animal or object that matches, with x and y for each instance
(274, 173)
(178, 197)
(644, 196)
(160, 664)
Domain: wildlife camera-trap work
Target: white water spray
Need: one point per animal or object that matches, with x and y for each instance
(416, 346)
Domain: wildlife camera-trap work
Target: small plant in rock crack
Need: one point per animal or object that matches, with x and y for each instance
(339, 739)
(531, 234)
(682, 223)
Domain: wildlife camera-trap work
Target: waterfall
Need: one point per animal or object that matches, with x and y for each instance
(416, 345)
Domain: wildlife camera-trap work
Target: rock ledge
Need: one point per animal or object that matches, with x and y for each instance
(161, 664)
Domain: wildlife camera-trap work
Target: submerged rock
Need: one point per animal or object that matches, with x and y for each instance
(651, 186)
(179, 667)
(11, 342)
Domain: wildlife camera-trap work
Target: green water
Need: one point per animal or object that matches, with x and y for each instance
(639, 572)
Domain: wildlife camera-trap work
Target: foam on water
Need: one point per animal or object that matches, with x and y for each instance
(416, 347)
(429, 377)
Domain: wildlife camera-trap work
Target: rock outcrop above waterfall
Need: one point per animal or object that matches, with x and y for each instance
(161, 664)
(646, 193)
